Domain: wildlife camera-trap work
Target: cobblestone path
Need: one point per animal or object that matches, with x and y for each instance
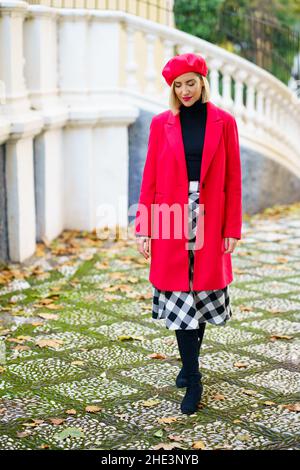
(84, 366)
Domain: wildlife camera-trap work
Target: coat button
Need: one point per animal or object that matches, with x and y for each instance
(203, 184)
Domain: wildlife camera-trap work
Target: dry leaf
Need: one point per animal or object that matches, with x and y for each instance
(129, 337)
(166, 446)
(15, 340)
(249, 392)
(218, 396)
(21, 347)
(157, 356)
(281, 259)
(23, 433)
(4, 332)
(167, 420)
(173, 437)
(49, 343)
(198, 445)
(25, 338)
(48, 316)
(71, 411)
(241, 365)
(93, 408)
(275, 337)
(54, 307)
(292, 407)
(150, 403)
(56, 420)
(244, 308)
(45, 301)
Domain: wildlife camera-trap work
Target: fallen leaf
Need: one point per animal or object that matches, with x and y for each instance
(51, 343)
(93, 408)
(292, 407)
(249, 392)
(150, 403)
(25, 338)
(56, 421)
(23, 433)
(218, 396)
(157, 356)
(275, 337)
(129, 337)
(243, 437)
(169, 419)
(241, 365)
(71, 411)
(15, 340)
(21, 347)
(198, 445)
(158, 433)
(4, 332)
(177, 438)
(48, 316)
(244, 308)
(54, 307)
(166, 446)
(69, 432)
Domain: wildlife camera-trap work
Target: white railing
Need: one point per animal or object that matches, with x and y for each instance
(72, 80)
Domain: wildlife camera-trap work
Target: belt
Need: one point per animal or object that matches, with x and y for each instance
(194, 186)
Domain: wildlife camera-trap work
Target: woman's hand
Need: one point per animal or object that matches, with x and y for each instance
(230, 244)
(143, 246)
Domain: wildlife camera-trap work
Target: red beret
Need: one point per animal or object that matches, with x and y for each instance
(184, 63)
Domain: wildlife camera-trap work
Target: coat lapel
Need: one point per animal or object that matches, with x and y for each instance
(213, 132)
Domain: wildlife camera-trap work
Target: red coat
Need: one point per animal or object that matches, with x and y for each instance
(165, 180)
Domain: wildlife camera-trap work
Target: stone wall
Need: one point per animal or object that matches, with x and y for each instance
(3, 212)
(265, 182)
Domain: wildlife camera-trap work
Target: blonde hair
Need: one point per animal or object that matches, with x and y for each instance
(174, 102)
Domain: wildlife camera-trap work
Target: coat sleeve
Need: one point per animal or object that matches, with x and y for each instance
(233, 183)
(143, 219)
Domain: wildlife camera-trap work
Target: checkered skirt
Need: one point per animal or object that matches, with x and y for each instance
(185, 310)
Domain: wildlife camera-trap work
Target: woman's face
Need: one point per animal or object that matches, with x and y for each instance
(188, 88)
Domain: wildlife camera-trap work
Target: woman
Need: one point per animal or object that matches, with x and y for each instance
(190, 211)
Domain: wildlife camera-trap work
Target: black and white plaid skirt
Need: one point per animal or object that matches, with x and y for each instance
(185, 310)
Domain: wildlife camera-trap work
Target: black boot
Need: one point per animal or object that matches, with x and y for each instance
(188, 347)
(181, 379)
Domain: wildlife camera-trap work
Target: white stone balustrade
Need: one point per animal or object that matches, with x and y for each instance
(73, 80)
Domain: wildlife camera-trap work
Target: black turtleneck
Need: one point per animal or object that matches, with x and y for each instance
(193, 122)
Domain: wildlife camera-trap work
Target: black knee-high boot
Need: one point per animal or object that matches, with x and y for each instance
(181, 380)
(188, 343)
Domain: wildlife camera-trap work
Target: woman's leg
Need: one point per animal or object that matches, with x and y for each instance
(181, 380)
(201, 331)
(188, 344)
